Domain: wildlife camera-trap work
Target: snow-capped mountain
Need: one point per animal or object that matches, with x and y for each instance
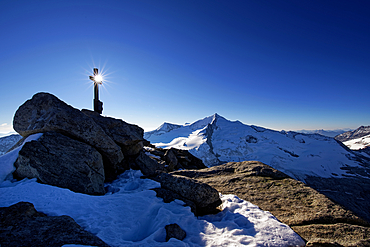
(7, 142)
(358, 143)
(356, 139)
(355, 134)
(217, 140)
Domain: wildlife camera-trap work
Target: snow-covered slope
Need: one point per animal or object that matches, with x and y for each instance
(358, 143)
(7, 142)
(217, 140)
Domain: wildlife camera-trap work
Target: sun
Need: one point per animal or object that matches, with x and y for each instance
(98, 79)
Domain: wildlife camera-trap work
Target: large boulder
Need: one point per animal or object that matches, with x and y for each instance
(45, 112)
(58, 160)
(205, 197)
(129, 137)
(22, 226)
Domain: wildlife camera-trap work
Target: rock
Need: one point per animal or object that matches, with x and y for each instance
(175, 158)
(128, 136)
(352, 193)
(205, 197)
(148, 166)
(170, 159)
(169, 196)
(45, 112)
(174, 231)
(58, 160)
(22, 226)
(309, 213)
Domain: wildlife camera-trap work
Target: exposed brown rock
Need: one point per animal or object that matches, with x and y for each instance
(311, 214)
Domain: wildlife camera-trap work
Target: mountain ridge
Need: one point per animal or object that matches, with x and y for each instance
(354, 134)
(217, 140)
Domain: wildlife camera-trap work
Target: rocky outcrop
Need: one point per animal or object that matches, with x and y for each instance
(22, 226)
(149, 167)
(174, 231)
(352, 193)
(45, 113)
(205, 197)
(58, 160)
(173, 159)
(312, 215)
(128, 136)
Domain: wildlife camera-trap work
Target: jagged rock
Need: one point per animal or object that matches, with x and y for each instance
(175, 158)
(174, 231)
(128, 136)
(170, 159)
(205, 197)
(22, 226)
(309, 213)
(58, 160)
(148, 166)
(45, 112)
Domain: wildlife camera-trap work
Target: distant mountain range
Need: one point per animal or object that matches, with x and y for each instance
(217, 140)
(358, 139)
(330, 133)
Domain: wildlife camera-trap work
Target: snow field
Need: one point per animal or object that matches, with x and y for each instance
(131, 215)
(358, 143)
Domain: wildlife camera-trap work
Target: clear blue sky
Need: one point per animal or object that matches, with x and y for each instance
(277, 64)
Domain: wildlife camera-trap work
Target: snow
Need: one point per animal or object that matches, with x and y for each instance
(7, 160)
(130, 214)
(358, 143)
(218, 140)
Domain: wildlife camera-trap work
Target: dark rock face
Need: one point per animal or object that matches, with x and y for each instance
(174, 159)
(309, 213)
(205, 197)
(174, 231)
(148, 166)
(45, 113)
(128, 136)
(61, 161)
(22, 226)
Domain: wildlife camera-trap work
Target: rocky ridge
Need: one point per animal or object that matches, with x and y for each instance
(354, 134)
